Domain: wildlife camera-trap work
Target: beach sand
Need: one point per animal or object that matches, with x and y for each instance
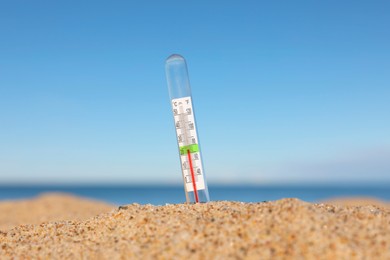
(48, 207)
(284, 229)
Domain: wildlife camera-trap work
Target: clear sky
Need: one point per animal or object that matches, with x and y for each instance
(284, 91)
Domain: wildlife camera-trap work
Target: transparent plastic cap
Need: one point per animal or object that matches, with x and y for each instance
(177, 76)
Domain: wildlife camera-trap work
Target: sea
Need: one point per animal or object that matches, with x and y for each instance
(173, 194)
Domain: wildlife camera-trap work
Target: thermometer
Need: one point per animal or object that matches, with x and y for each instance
(195, 185)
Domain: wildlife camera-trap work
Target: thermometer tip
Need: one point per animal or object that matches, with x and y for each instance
(175, 57)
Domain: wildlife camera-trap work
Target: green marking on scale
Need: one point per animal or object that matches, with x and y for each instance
(192, 147)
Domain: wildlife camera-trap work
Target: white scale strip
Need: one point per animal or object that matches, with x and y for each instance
(187, 137)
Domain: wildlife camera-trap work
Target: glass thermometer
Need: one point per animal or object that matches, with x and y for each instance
(195, 185)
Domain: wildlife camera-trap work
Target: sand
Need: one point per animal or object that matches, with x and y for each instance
(357, 201)
(48, 207)
(284, 229)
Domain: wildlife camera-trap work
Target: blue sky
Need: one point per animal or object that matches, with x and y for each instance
(285, 92)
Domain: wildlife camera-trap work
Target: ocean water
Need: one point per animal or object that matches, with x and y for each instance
(161, 195)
